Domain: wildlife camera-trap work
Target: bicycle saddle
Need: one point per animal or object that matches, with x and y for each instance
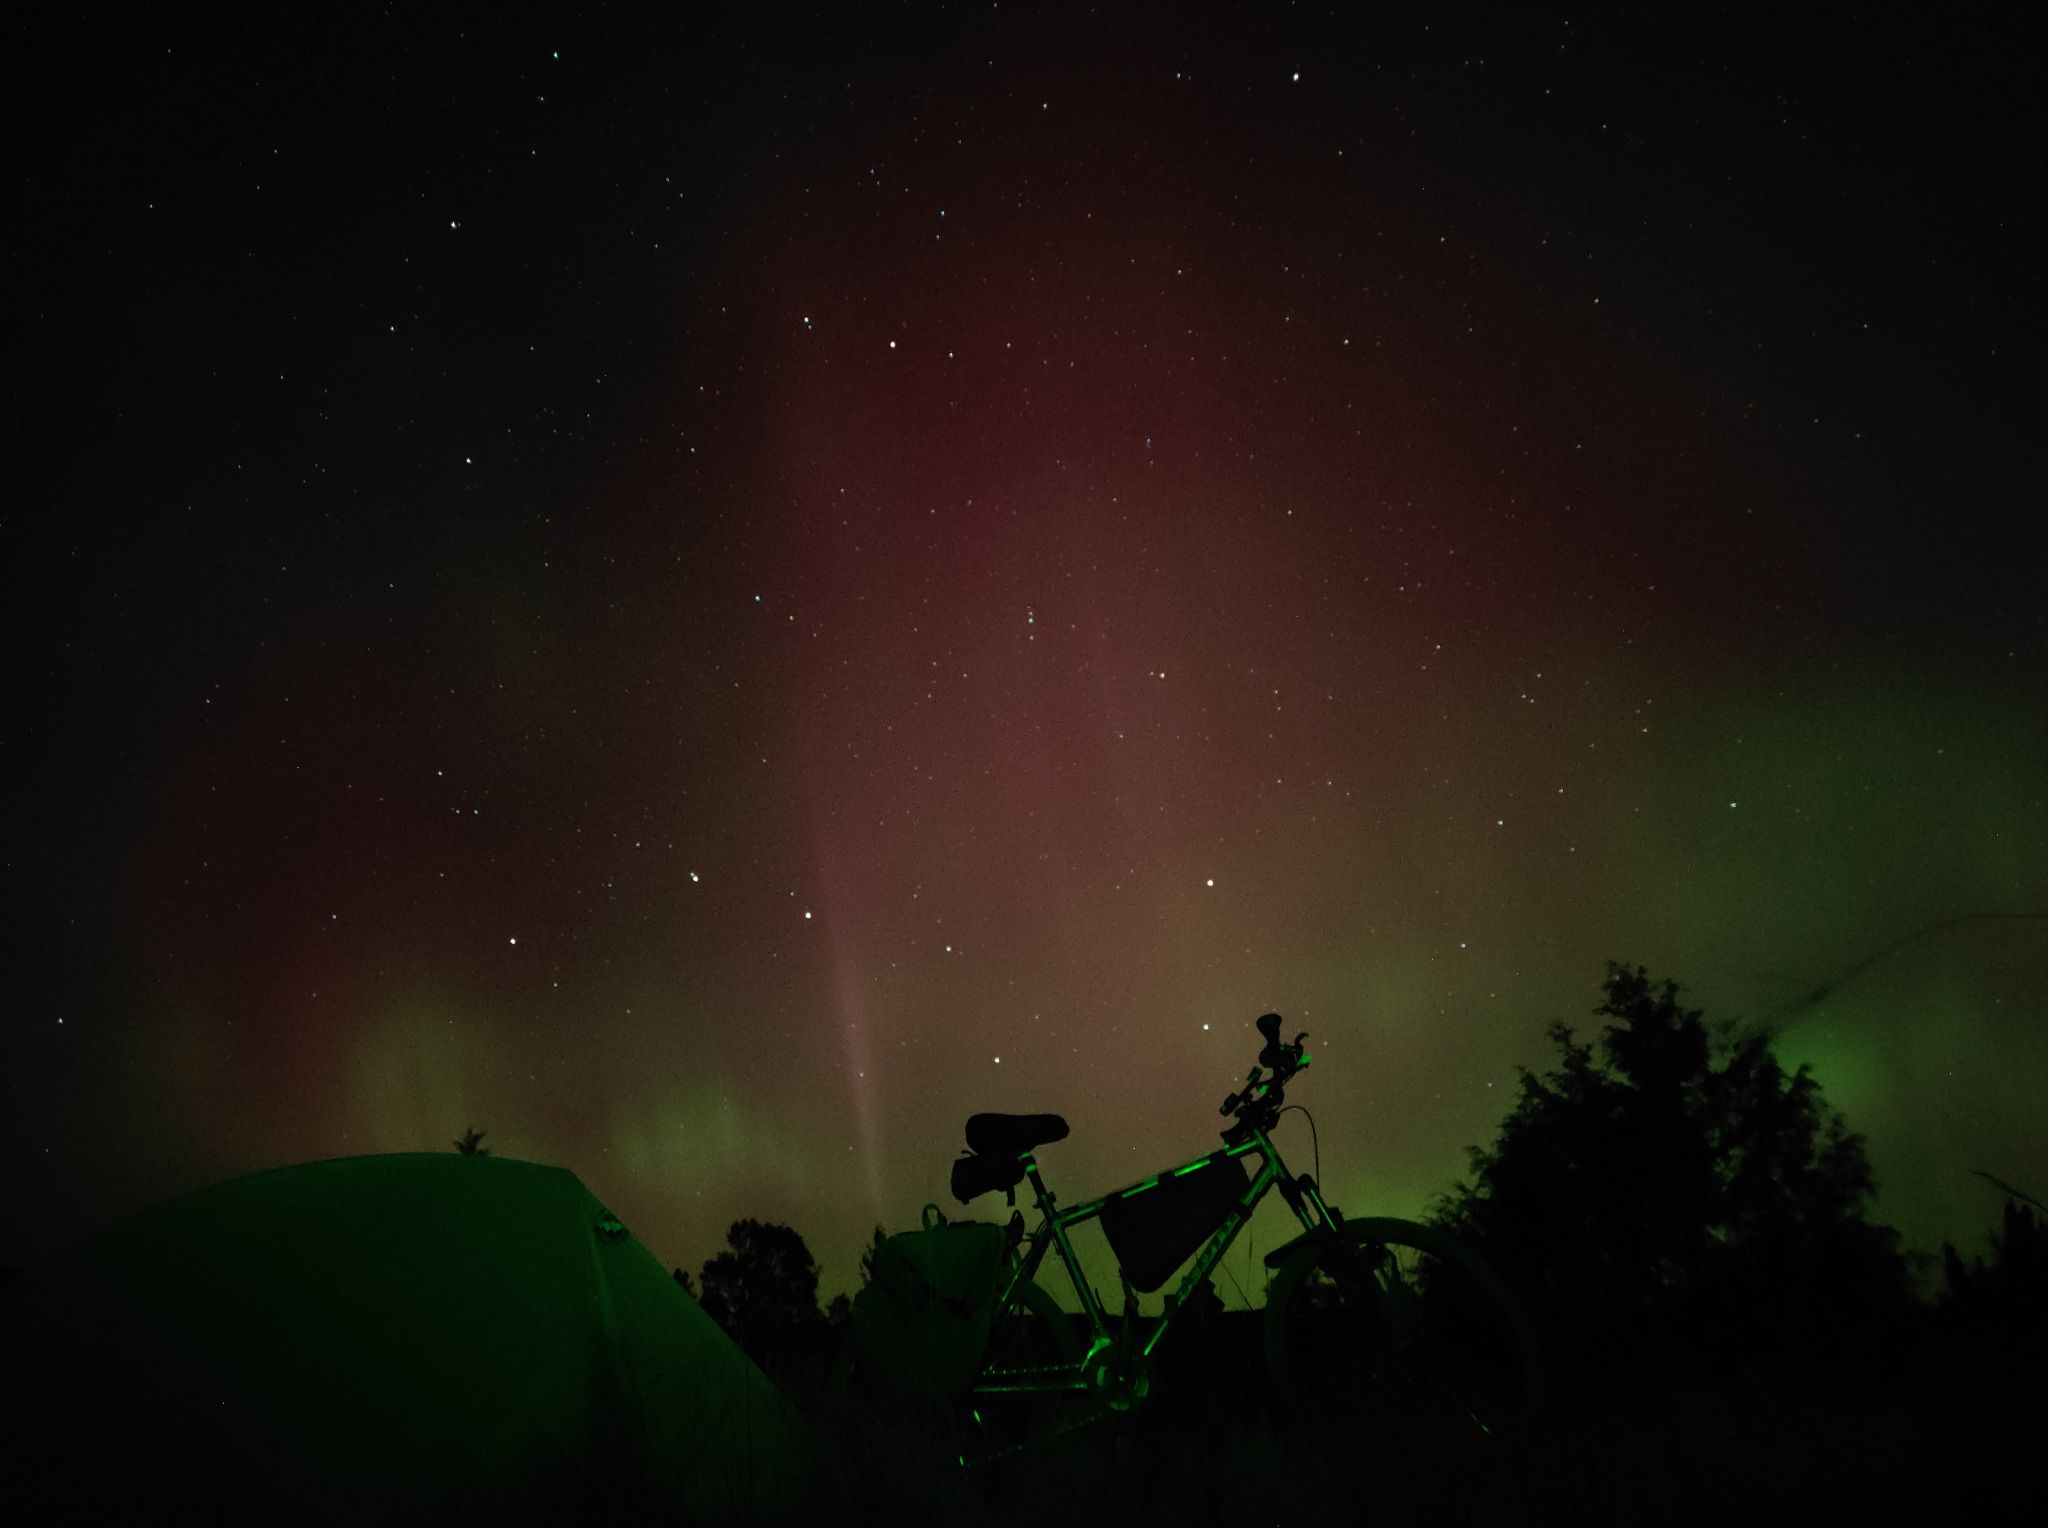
(1008, 1134)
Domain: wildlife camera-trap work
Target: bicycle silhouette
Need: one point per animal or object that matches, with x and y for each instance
(1388, 1311)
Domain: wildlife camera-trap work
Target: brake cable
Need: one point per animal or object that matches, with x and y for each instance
(1314, 1139)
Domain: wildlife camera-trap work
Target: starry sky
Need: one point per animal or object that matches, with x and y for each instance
(712, 596)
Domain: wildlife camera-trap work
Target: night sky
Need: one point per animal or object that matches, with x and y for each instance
(713, 598)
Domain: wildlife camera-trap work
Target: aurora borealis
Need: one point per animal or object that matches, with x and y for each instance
(712, 600)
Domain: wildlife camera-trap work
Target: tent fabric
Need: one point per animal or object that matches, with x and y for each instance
(415, 1337)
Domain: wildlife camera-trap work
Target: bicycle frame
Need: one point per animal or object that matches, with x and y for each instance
(1302, 1196)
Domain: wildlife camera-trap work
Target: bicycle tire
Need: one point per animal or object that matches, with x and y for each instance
(1416, 1328)
(1031, 1331)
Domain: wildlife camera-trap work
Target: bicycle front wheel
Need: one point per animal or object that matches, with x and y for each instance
(1404, 1322)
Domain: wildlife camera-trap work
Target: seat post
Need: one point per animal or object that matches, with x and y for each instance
(1045, 1199)
(1093, 1311)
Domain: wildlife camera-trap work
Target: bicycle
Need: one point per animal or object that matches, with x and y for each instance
(1395, 1314)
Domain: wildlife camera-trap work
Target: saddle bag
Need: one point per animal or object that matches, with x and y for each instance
(975, 1176)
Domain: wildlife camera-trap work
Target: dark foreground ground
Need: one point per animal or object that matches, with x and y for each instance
(1945, 1425)
(1952, 1423)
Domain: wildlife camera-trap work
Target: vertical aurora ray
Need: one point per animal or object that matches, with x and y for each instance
(850, 1015)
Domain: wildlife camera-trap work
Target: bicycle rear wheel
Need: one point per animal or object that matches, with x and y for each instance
(1405, 1323)
(1030, 1337)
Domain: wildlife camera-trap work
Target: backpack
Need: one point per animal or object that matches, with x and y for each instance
(921, 1324)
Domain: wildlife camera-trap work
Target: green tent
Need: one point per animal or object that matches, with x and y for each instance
(428, 1338)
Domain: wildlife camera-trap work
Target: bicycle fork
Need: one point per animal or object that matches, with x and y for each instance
(1320, 1220)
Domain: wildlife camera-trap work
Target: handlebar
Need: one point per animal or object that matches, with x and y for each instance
(1290, 1056)
(1257, 1103)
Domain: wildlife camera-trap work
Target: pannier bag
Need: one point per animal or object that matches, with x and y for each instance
(921, 1324)
(1155, 1226)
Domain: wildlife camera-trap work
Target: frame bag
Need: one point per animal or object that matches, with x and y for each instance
(1159, 1225)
